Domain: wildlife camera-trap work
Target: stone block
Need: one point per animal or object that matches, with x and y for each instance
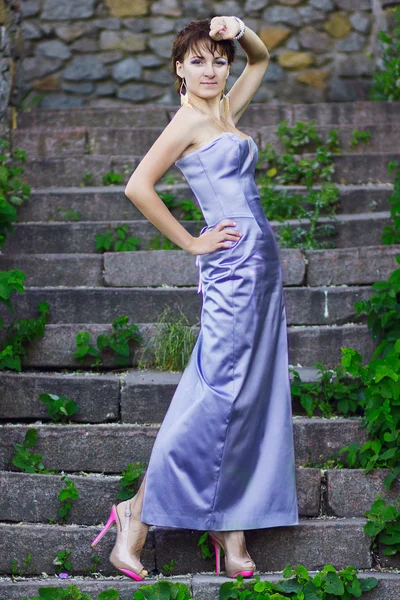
(30, 8)
(311, 39)
(325, 5)
(290, 59)
(51, 83)
(310, 14)
(122, 40)
(361, 22)
(50, 143)
(273, 36)
(348, 5)
(66, 11)
(282, 14)
(36, 67)
(78, 88)
(84, 67)
(351, 492)
(96, 395)
(338, 25)
(315, 78)
(126, 8)
(308, 345)
(71, 31)
(320, 438)
(350, 266)
(53, 49)
(126, 70)
(44, 541)
(352, 43)
(166, 7)
(38, 498)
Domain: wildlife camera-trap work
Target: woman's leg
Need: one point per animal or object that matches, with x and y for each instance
(132, 536)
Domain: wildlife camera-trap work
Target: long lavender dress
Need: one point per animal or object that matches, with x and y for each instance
(223, 458)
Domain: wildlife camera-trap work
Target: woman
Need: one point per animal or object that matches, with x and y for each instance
(223, 459)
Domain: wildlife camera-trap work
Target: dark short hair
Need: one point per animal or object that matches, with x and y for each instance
(192, 36)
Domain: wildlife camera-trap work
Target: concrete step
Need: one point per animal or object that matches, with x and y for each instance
(110, 202)
(151, 115)
(139, 396)
(98, 395)
(337, 266)
(203, 587)
(105, 489)
(313, 543)
(307, 345)
(334, 492)
(69, 171)
(147, 268)
(64, 238)
(57, 269)
(75, 141)
(256, 115)
(304, 305)
(108, 448)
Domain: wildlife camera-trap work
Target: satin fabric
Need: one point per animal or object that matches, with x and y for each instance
(223, 458)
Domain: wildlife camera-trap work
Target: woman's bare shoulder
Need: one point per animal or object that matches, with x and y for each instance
(189, 115)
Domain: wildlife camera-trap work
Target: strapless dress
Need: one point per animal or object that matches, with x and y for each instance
(223, 458)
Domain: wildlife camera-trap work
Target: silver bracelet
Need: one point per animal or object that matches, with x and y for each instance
(242, 28)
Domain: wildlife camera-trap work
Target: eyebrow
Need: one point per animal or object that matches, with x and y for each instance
(201, 56)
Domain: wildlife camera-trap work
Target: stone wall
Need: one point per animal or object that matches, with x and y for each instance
(116, 52)
(11, 48)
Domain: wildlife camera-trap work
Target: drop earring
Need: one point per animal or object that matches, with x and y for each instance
(184, 97)
(225, 101)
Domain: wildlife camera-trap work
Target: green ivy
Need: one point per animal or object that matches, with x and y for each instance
(290, 166)
(59, 408)
(391, 233)
(118, 341)
(383, 311)
(386, 82)
(119, 241)
(19, 335)
(358, 137)
(325, 585)
(24, 459)
(309, 238)
(13, 192)
(112, 178)
(128, 481)
(66, 496)
(10, 282)
(333, 393)
(384, 525)
(381, 380)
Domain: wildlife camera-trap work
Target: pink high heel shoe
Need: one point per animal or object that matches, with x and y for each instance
(234, 565)
(121, 558)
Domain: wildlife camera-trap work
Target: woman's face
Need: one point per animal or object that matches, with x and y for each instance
(205, 74)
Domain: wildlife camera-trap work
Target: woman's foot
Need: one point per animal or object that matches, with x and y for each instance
(237, 559)
(131, 537)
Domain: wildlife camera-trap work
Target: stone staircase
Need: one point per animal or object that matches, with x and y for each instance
(120, 411)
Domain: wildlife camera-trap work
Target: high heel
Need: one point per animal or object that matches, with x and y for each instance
(121, 557)
(234, 564)
(111, 520)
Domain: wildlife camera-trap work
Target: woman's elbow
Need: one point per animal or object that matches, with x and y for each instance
(128, 191)
(131, 190)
